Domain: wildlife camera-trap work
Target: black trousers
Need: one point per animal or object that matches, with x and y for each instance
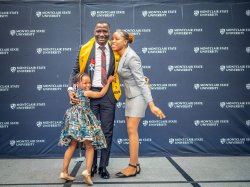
(104, 110)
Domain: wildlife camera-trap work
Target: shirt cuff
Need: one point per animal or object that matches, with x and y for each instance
(71, 89)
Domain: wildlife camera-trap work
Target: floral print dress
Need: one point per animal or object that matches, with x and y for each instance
(80, 124)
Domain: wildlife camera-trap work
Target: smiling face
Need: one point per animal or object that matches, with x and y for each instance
(102, 33)
(119, 43)
(85, 83)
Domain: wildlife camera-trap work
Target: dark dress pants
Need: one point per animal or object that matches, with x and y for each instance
(104, 110)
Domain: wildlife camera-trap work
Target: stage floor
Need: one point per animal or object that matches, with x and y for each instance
(156, 171)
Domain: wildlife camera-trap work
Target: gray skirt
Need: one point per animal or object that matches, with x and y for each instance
(135, 107)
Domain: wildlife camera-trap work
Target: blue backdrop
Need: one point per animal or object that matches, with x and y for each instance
(196, 54)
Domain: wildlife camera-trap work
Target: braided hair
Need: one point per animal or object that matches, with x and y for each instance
(78, 77)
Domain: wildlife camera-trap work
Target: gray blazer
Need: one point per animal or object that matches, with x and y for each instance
(130, 70)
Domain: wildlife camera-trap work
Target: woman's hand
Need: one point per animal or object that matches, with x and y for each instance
(156, 111)
(147, 80)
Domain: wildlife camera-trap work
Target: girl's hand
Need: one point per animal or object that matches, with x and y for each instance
(111, 79)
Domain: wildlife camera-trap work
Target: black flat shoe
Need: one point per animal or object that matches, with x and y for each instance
(93, 170)
(122, 175)
(104, 173)
(138, 171)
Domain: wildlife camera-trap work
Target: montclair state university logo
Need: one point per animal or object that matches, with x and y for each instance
(222, 31)
(170, 104)
(248, 12)
(222, 67)
(222, 140)
(196, 49)
(145, 123)
(196, 12)
(13, 69)
(248, 86)
(222, 104)
(144, 13)
(144, 49)
(196, 86)
(93, 13)
(39, 87)
(13, 106)
(170, 31)
(248, 49)
(197, 122)
(12, 142)
(248, 123)
(39, 124)
(119, 141)
(38, 14)
(39, 50)
(171, 140)
(170, 68)
(12, 32)
(120, 104)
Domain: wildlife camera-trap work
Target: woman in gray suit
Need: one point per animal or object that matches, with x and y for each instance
(138, 96)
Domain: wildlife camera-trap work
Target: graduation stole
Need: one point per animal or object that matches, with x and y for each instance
(83, 60)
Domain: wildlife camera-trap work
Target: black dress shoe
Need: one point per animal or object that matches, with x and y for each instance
(122, 175)
(93, 170)
(104, 173)
(99, 170)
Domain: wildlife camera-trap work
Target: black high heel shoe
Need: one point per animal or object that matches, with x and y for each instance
(122, 175)
(138, 171)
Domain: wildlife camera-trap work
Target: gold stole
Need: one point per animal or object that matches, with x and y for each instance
(83, 59)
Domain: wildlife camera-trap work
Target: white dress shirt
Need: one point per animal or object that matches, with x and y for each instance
(96, 82)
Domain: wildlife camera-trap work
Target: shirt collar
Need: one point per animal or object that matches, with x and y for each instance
(97, 46)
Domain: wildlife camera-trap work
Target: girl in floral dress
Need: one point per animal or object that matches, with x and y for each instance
(81, 125)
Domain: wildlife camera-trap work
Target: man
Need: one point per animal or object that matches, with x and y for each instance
(98, 60)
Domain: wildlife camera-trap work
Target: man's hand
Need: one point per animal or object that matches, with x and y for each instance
(73, 99)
